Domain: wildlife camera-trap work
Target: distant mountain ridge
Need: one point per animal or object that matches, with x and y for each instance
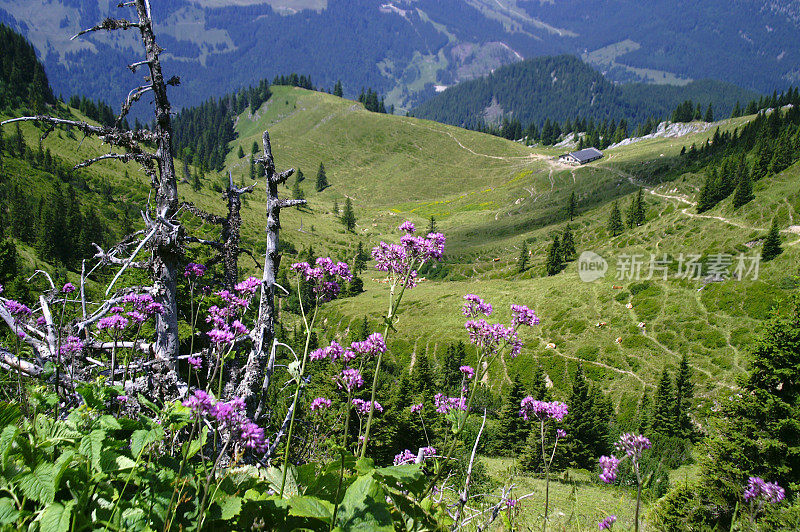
(405, 49)
(564, 88)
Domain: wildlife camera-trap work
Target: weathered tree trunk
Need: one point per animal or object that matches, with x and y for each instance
(263, 333)
(165, 245)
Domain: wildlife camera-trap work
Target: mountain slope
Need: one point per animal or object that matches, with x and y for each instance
(406, 48)
(563, 87)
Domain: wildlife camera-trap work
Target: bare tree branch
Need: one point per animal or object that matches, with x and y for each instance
(145, 160)
(108, 24)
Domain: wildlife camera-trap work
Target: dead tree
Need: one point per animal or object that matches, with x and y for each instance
(163, 232)
(228, 248)
(260, 362)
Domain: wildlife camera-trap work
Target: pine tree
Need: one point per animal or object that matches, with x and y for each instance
(640, 215)
(587, 432)
(572, 206)
(451, 374)
(360, 259)
(630, 219)
(322, 179)
(772, 244)
(744, 190)
(336, 207)
(348, 216)
(538, 387)
(554, 258)
(297, 192)
(337, 89)
(422, 382)
(663, 407)
(432, 225)
(522, 263)
(684, 394)
(254, 148)
(512, 429)
(568, 251)
(758, 433)
(252, 168)
(709, 114)
(615, 225)
(240, 153)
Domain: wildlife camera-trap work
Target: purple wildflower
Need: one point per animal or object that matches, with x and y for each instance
(195, 362)
(531, 409)
(320, 403)
(122, 398)
(609, 465)
(154, 308)
(416, 408)
(194, 270)
(561, 433)
(248, 286)
(467, 371)
(489, 336)
(510, 503)
(607, 523)
(220, 336)
(199, 403)
(474, 305)
(522, 315)
(362, 407)
(252, 436)
(444, 404)
(17, 309)
(71, 345)
(136, 316)
(68, 288)
(350, 379)
(406, 457)
(40, 321)
(372, 346)
(116, 322)
(333, 351)
(632, 445)
(769, 492)
(407, 227)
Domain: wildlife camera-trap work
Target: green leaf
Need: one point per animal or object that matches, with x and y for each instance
(230, 507)
(310, 507)
(364, 507)
(274, 476)
(39, 484)
(365, 465)
(108, 422)
(9, 413)
(141, 438)
(149, 404)
(196, 444)
(92, 447)
(6, 442)
(8, 511)
(57, 517)
(61, 465)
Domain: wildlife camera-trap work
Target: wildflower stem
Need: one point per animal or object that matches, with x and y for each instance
(393, 306)
(546, 479)
(344, 450)
(309, 327)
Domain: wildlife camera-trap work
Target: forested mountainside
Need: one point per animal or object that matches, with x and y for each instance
(408, 49)
(562, 88)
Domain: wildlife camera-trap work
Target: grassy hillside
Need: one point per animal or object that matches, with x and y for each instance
(488, 195)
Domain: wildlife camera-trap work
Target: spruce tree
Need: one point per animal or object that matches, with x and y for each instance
(772, 244)
(684, 394)
(644, 414)
(709, 114)
(432, 225)
(585, 431)
(615, 225)
(240, 154)
(572, 206)
(348, 216)
(522, 263)
(337, 89)
(322, 179)
(554, 259)
(254, 148)
(744, 190)
(297, 192)
(640, 212)
(568, 251)
(335, 207)
(451, 363)
(758, 433)
(422, 382)
(663, 407)
(512, 429)
(538, 387)
(630, 218)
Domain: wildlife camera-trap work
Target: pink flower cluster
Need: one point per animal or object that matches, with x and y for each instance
(325, 276)
(522, 315)
(444, 404)
(194, 270)
(490, 336)
(474, 305)
(17, 309)
(531, 409)
(225, 318)
(416, 408)
(609, 465)
(372, 346)
(195, 362)
(407, 457)
(362, 407)
(71, 345)
(230, 416)
(769, 492)
(632, 444)
(400, 260)
(68, 288)
(143, 303)
(467, 371)
(607, 523)
(320, 403)
(350, 379)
